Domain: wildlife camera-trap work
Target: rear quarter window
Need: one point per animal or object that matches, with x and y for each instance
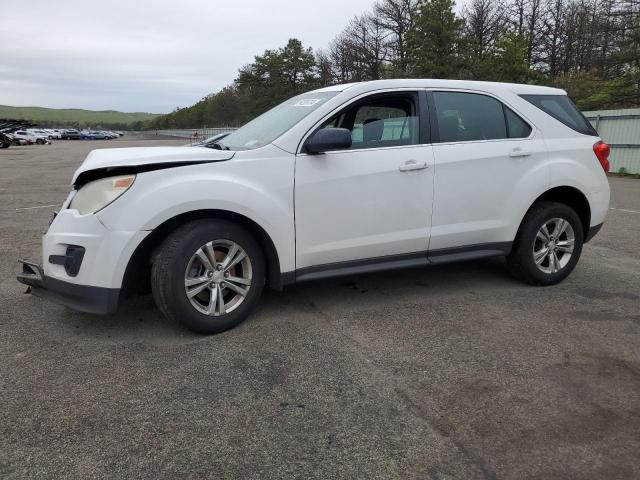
(562, 109)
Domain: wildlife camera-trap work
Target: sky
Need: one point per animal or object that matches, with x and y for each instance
(147, 55)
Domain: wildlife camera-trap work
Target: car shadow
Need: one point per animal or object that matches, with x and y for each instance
(139, 320)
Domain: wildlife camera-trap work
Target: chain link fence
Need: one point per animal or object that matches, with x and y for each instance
(195, 135)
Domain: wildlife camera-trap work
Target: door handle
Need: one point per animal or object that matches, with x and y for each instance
(412, 166)
(519, 152)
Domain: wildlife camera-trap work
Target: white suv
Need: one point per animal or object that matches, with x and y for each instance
(348, 179)
(31, 137)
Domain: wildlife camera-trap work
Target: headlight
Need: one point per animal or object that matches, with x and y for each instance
(96, 195)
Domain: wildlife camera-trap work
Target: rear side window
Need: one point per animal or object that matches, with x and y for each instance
(562, 109)
(465, 117)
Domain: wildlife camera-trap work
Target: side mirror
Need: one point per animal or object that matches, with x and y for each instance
(328, 139)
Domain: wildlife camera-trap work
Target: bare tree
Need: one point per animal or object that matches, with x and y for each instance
(396, 17)
(360, 52)
(484, 22)
(553, 36)
(526, 16)
(324, 68)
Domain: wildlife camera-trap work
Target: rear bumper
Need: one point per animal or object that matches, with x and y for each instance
(83, 298)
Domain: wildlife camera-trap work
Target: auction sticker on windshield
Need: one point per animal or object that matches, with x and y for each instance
(307, 102)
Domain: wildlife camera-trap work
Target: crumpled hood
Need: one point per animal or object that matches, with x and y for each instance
(112, 158)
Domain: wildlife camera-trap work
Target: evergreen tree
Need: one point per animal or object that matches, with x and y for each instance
(507, 60)
(434, 43)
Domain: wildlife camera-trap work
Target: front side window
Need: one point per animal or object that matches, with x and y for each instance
(380, 121)
(467, 117)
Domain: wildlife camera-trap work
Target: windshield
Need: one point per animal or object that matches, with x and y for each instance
(269, 126)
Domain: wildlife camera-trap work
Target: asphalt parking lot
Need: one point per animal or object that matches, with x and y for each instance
(450, 372)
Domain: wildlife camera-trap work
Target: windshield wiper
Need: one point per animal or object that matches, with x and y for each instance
(217, 146)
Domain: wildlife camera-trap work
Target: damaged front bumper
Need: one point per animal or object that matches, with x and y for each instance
(84, 298)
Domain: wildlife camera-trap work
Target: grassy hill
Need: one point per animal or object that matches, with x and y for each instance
(73, 116)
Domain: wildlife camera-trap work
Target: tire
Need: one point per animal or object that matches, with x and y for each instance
(176, 262)
(532, 243)
(39, 141)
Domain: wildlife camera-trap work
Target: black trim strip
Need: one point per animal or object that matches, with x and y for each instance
(392, 262)
(424, 120)
(506, 119)
(418, 259)
(98, 173)
(592, 232)
(433, 118)
(471, 252)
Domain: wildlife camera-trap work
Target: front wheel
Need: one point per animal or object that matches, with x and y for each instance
(548, 245)
(209, 275)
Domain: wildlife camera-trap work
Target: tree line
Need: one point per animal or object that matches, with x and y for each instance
(591, 48)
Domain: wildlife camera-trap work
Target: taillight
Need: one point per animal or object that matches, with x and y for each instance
(602, 151)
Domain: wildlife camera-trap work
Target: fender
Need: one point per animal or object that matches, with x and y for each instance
(536, 182)
(252, 188)
(582, 171)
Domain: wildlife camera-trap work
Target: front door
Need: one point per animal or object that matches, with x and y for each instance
(374, 199)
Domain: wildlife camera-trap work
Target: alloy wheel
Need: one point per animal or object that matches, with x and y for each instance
(218, 278)
(554, 245)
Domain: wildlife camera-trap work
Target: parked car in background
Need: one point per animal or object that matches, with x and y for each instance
(6, 140)
(31, 137)
(9, 126)
(53, 134)
(99, 135)
(71, 134)
(18, 141)
(348, 179)
(95, 135)
(39, 133)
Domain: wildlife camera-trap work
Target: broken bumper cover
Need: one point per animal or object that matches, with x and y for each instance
(83, 298)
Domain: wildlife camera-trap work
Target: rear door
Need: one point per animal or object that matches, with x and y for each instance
(487, 159)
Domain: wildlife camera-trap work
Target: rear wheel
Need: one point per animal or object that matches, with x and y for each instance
(548, 245)
(209, 275)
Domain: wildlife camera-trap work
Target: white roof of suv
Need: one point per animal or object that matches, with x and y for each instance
(517, 88)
